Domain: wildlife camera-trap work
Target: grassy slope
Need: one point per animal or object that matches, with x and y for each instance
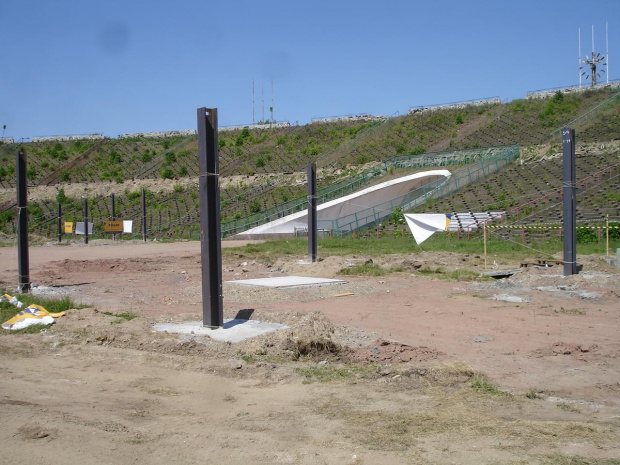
(261, 152)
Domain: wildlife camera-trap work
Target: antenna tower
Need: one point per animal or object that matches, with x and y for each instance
(592, 62)
(271, 107)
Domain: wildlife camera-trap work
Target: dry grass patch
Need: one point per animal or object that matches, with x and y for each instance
(455, 405)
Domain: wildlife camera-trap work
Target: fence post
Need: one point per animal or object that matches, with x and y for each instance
(569, 201)
(312, 219)
(143, 215)
(113, 205)
(85, 207)
(23, 262)
(59, 222)
(210, 229)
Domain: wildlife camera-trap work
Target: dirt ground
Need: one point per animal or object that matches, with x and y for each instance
(399, 369)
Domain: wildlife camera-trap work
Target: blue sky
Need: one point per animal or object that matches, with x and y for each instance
(113, 67)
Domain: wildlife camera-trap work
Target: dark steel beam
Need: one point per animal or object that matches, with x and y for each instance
(85, 221)
(143, 215)
(23, 264)
(210, 229)
(60, 229)
(569, 201)
(113, 202)
(312, 223)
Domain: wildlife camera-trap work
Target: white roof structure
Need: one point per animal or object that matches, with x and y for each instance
(349, 204)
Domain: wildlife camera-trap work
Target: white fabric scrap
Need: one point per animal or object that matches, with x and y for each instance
(424, 225)
(46, 320)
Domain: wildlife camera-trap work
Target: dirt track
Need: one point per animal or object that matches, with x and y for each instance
(98, 389)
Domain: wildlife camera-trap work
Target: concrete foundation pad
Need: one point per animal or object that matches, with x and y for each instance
(234, 330)
(287, 281)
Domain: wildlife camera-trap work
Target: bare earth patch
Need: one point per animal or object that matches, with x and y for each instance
(398, 369)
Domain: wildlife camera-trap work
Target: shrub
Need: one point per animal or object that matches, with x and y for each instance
(586, 236)
(115, 157)
(255, 206)
(397, 216)
(166, 173)
(418, 150)
(6, 216)
(260, 162)
(170, 158)
(61, 197)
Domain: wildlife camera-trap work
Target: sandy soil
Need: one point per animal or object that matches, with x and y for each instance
(376, 370)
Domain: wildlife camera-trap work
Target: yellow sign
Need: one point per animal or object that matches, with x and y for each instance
(113, 226)
(68, 227)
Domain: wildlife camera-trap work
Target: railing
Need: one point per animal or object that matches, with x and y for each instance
(351, 184)
(436, 189)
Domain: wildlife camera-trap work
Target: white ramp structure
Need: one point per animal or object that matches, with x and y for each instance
(384, 197)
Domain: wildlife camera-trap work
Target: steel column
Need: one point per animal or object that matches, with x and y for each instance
(113, 202)
(85, 221)
(143, 215)
(60, 230)
(23, 265)
(210, 229)
(312, 220)
(569, 201)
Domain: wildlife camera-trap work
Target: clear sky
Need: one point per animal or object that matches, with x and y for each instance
(114, 67)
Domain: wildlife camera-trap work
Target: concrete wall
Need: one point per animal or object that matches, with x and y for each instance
(570, 90)
(158, 135)
(283, 124)
(68, 138)
(456, 106)
(349, 119)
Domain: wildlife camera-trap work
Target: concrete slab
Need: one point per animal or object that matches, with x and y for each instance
(500, 274)
(234, 330)
(287, 281)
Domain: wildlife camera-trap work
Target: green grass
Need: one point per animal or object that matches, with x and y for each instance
(366, 269)
(8, 311)
(331, 373)
(125, 316)
(482, 384)
(332, 246)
